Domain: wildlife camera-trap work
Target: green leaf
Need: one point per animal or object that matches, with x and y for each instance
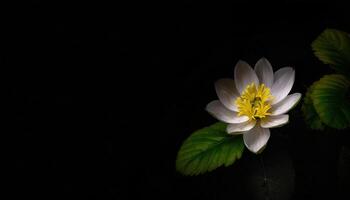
(310, 115)
(331, 101)
(333, 47)
(208, 149)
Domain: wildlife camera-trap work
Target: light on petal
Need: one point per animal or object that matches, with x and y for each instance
(219, 111)
(284, 80)
(244, 75)
(274, 121)
(227, 93)
(241, 127)
(264, 72)
(256, 138)
(286, 104)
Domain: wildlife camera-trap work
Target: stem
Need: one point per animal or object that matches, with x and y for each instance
(264, 173)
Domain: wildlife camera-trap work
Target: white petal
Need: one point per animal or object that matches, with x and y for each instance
(274, 121)
(264, 71)
(256, 138)
(284, 80)
(286, 104)
(227, 93)
(241, 127)
(244, 75)
(219, 111)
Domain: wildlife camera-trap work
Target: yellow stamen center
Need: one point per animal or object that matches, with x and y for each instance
(254, 102)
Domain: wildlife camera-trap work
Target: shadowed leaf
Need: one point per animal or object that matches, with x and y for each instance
(333, 47)
(310, 115)
(331, 102)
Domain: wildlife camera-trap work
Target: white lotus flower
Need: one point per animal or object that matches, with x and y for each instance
(254, 101)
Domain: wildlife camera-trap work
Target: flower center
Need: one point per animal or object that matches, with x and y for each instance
(254, 102)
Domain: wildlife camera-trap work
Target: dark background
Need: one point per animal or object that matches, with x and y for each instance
(100, 98)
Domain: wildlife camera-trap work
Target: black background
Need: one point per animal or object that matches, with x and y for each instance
(101, 96)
